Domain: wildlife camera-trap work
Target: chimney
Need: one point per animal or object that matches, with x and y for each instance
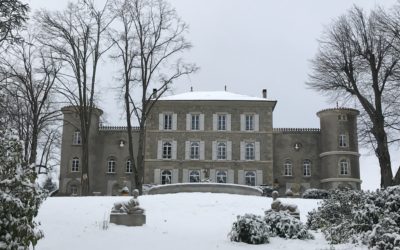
(264, 93)
(191, 89)
(154, 93)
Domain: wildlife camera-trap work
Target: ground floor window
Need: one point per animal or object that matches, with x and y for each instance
(194, 176)
(250, 178)
(166, 177)
(287, 168)
(221, 176)
(307, 168)
(128, 166)
(111, 166)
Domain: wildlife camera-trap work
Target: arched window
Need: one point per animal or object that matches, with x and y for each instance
(167, 150)
(307, 168)
(221, 176)
(77, 137)
(166, 177)
(250, 178)
(195, 150)
(249, 153)
(287, 168)
(75, 165)
(221, 151)
(344, 167)
(111, 165)
(194, 176)
(128, 166)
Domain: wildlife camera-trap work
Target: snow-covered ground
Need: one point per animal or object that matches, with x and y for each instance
(174, 221)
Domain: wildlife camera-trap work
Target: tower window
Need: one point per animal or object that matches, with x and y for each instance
(344, 167)
(111, 165)
(307, 168)
(77, 138)
(128, 166)
(342, 140)
(287, 168)
(75, 165)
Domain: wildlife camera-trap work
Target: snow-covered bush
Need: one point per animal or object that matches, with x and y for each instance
(314, 193)
(20, 197)
(284, 225)
(250, 229)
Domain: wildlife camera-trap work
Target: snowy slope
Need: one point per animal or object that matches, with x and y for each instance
(174, 221)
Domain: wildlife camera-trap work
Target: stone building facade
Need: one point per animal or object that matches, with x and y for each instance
(220, 137)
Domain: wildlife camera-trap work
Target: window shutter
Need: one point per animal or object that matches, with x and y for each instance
(159, 150)
(173, 150)
(259, 178)
(201, 122)
(185, 175)
(231, 176)
(202, 149)
(160, 121)
(228, 122)
(175, 175)
(242, 122)
(188, 122)
(242, 153)
(256, 122)
(214, 122)
(174, 121)
(229, 150)
(257, 151)
(213, 178)
(157, 176)
(214, 150)
(187, 150)
(240, 177)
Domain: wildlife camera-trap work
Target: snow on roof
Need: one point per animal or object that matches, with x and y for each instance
(211, 95)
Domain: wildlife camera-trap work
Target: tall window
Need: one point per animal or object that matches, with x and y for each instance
(77, 137)
(307, 168)
(221, 150)
(111, 165)
(344, 167)
(250, 178)
(287, 168)
(167, 150)
(195, 150)
(195, 122)
(128, 166)
(167, 121)
(166, 177)
(194, 176)
(342, 140)
(249, 122)
(221, 122)
(249, 151)
(221, 176)
(75, 165)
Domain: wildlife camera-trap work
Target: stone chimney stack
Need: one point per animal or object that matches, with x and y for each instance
(264, 93)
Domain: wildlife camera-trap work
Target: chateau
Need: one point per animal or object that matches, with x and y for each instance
(219, 136)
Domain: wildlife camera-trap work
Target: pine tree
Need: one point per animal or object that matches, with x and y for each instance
(49, 185)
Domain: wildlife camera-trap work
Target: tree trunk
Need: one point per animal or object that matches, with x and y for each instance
(382, 152)
(130, 139)
(140, 159)
(85, 167)
(34, 143)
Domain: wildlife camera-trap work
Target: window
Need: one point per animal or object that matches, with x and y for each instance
(167, 150)
(307, 168)
(77, 138)
(111, 165)
(167, 121)
(342, 117)
(128, 166)
(221, 150)
(249, 119)
(195, 122)
(221, 176)
(166, 177)
(287, 168)
(221, 122)
(73, 189)
(342, 140)
(195, 150)
(344, 167)
(75, 165)
(250, 178)
(249, 151)
(194, 176)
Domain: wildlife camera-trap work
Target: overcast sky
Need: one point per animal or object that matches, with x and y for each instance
(249, 45)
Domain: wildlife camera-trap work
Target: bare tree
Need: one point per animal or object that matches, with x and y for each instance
(28, 75)
(357, 61)
(13, 15)
(149, 47)
(76, 35)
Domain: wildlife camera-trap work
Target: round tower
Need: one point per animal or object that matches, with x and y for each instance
(339, 156)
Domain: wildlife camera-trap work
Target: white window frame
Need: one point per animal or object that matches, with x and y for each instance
(250, 151)
(221, 176)
(166, 150)
(75, 165)
(222, 122)
(166, 177)
(128, 166)
(288, 168)
(221, 150)
(249, 122)
(194, 176)
(307, 168)
(167, 121)
(344, 167)
(250, 178)
(194, 152)
(77, 138)
(111, 163)
(343, 141)
(195, 122)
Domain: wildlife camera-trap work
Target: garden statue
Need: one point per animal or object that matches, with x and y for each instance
(277, 206)
(128, 213)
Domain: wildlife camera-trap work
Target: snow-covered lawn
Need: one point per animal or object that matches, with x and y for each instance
(174, 221)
